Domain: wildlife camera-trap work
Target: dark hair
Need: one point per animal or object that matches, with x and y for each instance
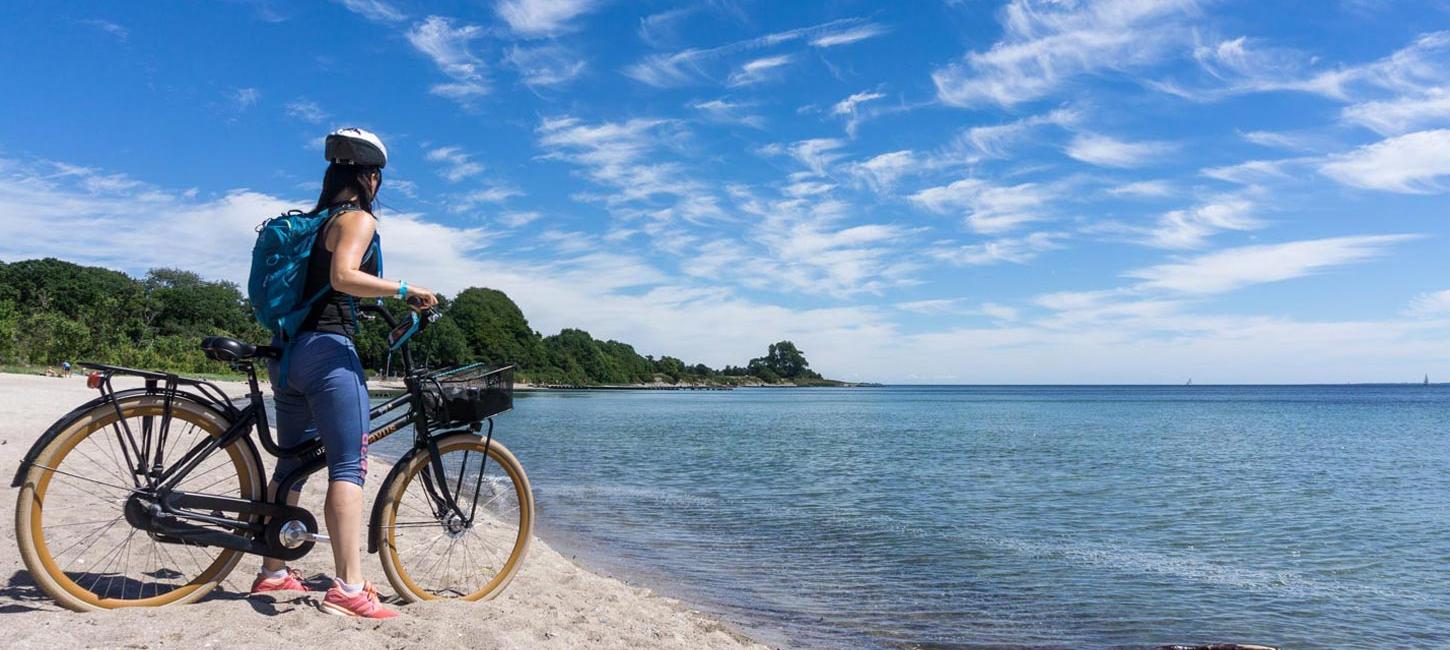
(344, 183)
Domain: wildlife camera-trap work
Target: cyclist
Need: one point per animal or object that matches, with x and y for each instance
(325, 393)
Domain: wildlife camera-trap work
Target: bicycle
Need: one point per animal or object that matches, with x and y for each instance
(167, 478)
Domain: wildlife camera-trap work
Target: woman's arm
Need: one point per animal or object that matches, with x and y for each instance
(351, 234)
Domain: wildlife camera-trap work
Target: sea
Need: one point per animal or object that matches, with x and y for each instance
(1011, 516)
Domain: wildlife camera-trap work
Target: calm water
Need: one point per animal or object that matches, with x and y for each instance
(963, 517)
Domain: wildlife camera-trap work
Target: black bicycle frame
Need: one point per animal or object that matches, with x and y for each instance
(311, 451)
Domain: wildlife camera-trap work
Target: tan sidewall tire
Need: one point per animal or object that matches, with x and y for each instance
(387, 552)
(29, 505)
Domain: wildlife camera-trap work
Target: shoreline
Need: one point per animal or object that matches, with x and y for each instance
(555, 601)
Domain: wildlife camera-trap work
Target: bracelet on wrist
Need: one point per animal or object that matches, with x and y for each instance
(403, 290)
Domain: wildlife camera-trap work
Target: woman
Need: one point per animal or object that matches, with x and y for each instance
(325, 393)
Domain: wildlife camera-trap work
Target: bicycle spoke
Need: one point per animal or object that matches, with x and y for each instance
(94, 553)
(88, 480)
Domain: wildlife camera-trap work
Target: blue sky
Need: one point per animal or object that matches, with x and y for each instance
(962, 191)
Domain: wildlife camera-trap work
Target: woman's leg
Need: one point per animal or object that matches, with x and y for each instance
(293, 424)
(339, 400)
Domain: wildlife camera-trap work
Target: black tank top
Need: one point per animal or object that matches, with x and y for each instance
(335, 312)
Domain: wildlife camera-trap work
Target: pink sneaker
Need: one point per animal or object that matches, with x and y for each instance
(290, 582)
(363, 604)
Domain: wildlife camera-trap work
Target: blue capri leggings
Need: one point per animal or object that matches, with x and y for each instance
(326, 395)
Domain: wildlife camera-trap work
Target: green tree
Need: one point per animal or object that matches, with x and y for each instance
(785, 361)
(495, 328)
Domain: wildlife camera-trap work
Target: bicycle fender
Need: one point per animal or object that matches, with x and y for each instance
(69, 418)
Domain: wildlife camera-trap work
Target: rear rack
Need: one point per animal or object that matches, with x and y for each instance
(101, 380)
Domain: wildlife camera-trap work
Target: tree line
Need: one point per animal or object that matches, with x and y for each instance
(52, 311)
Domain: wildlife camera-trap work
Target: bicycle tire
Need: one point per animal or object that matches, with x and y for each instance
(40, 482)
(514, 524)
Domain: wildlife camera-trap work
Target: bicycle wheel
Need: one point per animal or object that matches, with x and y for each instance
(430, 552)
(70, 521)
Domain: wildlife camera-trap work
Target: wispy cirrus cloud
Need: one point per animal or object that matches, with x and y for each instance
(1104, 151)
(119, 32)
(997, 140)
(758, 70)
(848, 35)
(1430, 303)
(986, 207)
(1015, 250)
(1414, 163)
(700, 65)
(545, 65)
(458, 164)
(1234, 268)
(1192, 227)
(375, 10)
(307, 111)
(539, 18)
(1046, 43)
(450, 48)
(724, 111)
(626, 157)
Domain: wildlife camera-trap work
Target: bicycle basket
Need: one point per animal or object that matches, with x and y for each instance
(471, 393)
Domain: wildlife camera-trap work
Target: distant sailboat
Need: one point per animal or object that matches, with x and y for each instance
(1427, 380)
(1190, 382)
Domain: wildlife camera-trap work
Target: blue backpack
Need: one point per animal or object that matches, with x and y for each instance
(279, 272)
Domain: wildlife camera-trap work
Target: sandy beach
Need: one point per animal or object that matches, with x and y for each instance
(553, 603)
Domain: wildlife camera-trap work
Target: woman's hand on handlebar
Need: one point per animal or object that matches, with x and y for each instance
(421, 298)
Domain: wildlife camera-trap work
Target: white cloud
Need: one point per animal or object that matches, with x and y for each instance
(1280, 140)
(459, 164)
(546, 65)
(996, 140)
(989, 208)
(1104, 151)
(847, 108)
(817, 154)
(536, 18)
(1191, 228)
(1251, 172)
(470, 201)
(727, 112)
(307, 111)
(1234, 268)
(245, 98)
(1431, 303)
(848, 36)
(1402, 114)
(1046, 42)
(848, 105)
(694, 65)
(999, 312)
(518, 219)
(626, 156)
(1152, 189)
(931, 307)
(1414, 163)
(449, 48)
(882, 172)
(758, 70)
(1240, 65)
(119, 32)
(1017, 250)
(374, 10)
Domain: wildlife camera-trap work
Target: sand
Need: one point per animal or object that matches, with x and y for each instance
(553, 602)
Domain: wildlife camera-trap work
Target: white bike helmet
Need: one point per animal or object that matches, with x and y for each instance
(356, 147)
